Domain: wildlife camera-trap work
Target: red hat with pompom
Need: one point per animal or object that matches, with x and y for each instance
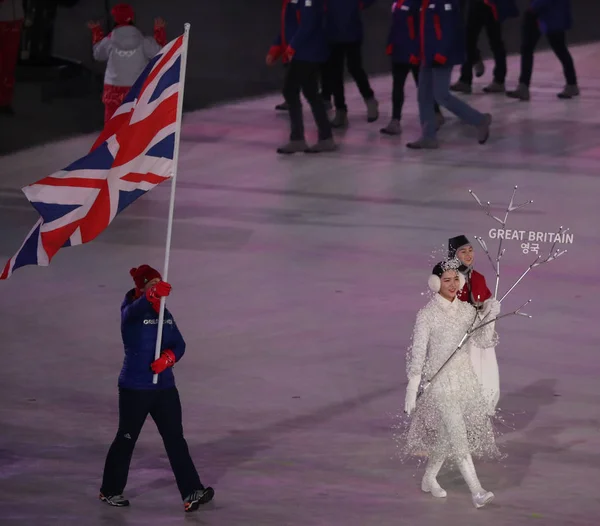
(143, 274)
(123, 14)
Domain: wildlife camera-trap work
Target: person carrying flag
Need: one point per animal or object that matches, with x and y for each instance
(140, 397)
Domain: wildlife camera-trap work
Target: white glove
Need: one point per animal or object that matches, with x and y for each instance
(491, 309)
(410, 401)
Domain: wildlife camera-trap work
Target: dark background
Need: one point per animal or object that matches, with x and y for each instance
(228, 43)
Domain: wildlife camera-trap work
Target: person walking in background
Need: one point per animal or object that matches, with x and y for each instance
(345, 34)
(553, 18)
(289, 25)
(306, 52)
(11, 23)
(403, 48)
(488, 14)
(126, 52)
(442, 47)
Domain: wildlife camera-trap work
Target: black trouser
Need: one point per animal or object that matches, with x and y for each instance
(400, 72)
(530, 36)
(464, 9)
(481, 16)
(304, 77)
(165, 409)
(349, 53)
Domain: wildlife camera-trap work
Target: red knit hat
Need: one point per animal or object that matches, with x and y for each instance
(123, 14)
(143, 275)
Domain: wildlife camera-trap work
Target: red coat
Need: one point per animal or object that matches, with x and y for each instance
(475, 290)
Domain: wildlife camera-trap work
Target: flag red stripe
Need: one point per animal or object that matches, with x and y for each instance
(54, 240)
(4, 274)
(98, 217)
(140, 134)
(148, 178)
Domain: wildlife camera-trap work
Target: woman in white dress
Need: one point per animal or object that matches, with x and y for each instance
(450, 419)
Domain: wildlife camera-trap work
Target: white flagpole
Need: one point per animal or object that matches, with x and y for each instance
(161, 313)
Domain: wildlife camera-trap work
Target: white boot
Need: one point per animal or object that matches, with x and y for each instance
(480, 496)
(429, 483)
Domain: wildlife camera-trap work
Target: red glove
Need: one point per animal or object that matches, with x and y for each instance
(389, 49)
(440, 59)
(161, 290)
(97, 33)
(288, 54)
(166, 360)
(160, 35)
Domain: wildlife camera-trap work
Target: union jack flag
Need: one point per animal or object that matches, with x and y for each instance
(133, 154)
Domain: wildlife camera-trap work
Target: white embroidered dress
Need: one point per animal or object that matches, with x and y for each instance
(451, 417)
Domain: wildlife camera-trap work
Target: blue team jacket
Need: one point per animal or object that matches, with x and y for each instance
(139, 329)
(344, 21)
(442, 33)
(553, 15)
(290, 17)
(503, 9)
(310, 41)
(404, 42)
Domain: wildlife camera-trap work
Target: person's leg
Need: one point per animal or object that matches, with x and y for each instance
(530, 35)
(429, 484)
(558, 43)
(440, 119)
(480, 496)
(399, 73)
(493, 29)
(310, 90)
(426, 112)
(469, 115)
(291, 93)
(133, 410)
(358, 73)
(475, 22)
(166, 413)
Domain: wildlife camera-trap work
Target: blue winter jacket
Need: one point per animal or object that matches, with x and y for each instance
(344, 20)
(442, 33)
(503, 9)
(289, 25)
(404, 43)
(310, 41)
(139, 330)
(553, 15)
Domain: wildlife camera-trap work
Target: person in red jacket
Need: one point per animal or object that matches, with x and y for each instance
(11, 22)
(477, 293)
(475, 290)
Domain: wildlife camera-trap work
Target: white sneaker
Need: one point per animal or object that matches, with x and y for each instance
(482, 498)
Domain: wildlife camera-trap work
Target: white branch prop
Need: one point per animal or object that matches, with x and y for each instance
(487, 208)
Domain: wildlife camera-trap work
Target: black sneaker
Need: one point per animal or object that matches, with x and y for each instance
(202, 496)
(114, 500)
